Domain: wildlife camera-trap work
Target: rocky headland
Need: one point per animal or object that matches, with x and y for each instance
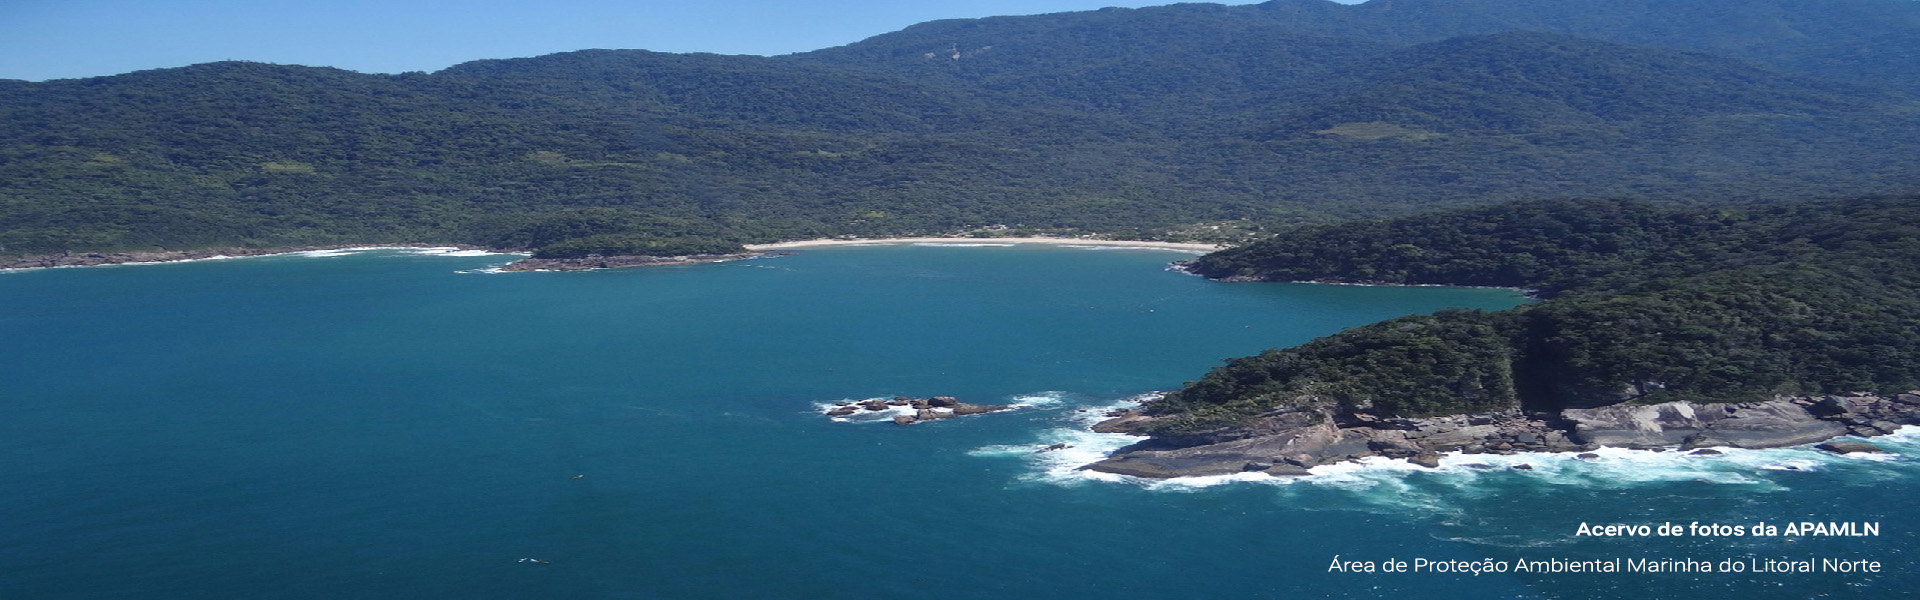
(1654, 327)
(1289, 443)
(908, 411)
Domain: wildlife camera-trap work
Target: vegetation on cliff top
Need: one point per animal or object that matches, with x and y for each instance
(1649, 305)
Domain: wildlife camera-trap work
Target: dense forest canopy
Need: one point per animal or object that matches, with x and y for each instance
(1185, 120)
(1649, 304)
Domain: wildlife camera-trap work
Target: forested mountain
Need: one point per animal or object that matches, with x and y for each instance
(1539, 83)
(1134, 122)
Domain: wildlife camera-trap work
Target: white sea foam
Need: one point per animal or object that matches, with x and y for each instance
(159, 262)
(455, 252)
(1402, 484)
(1038, 399)
(1154, 248)
(328, 253)
(1075, 444)
(421, 251)
(1077, 447)
(863, 415)
(125, 264)
(1021, 401)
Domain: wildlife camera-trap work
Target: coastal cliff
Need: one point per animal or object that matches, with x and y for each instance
(1289, 445)
(1657, 328)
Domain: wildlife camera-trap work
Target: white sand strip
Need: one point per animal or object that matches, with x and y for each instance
(988, 240)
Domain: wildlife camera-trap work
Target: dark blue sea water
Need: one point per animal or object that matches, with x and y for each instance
(393, 424)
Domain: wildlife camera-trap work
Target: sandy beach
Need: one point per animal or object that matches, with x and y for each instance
(1192, 247)
(158, 257)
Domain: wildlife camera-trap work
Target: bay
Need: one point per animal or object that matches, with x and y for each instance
(394, 424)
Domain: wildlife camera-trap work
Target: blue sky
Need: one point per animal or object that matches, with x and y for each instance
(51, 39)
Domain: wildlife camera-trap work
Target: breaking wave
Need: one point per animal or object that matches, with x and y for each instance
(1120, 247)
(1017, 402)
(1056, 454)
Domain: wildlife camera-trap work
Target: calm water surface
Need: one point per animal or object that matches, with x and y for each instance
(393, 424)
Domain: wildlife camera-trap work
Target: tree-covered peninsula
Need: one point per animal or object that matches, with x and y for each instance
(1644, 308)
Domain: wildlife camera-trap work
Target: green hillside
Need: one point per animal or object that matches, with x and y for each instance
(1150, 123)
(1648, 305)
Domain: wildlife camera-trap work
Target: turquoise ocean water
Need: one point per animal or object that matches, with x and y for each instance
(396, 424)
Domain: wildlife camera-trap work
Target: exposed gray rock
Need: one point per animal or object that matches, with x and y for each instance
(1556, 439)
(1426, 458)
(1634, 426)
(1122, 421)
(923, 408)
(1292, 441)
(1750, 425)
(1392, 448)
(1288, 470)
(1457, 437)
(1219, 459)
(963, 408)
(1850, 448)
(1766, 425)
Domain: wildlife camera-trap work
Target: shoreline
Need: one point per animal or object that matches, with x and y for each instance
(1184, 246)
(149, 257)
(1183, 267)
(1290, 445)
(597, 262)
(155, 257)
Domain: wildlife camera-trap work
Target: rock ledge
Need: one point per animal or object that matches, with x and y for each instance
(1287, 444)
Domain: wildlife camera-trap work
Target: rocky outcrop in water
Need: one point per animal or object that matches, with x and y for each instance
(922, 409)
(1850, 448)
(1289, 444)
